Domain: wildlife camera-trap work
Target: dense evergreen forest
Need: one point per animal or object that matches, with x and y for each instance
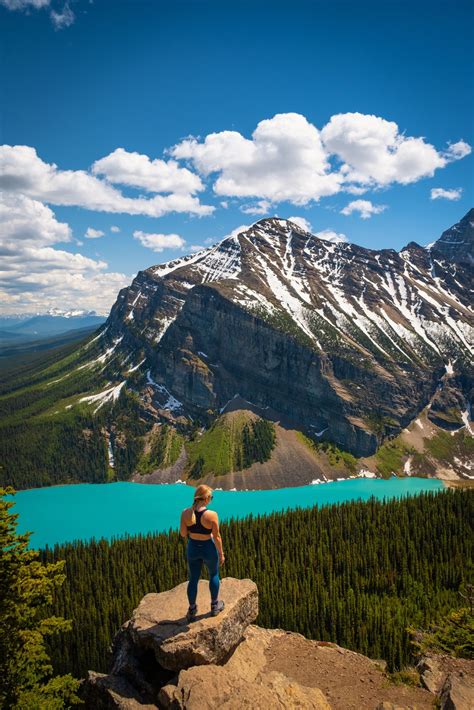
(50, 433)
(358, 574)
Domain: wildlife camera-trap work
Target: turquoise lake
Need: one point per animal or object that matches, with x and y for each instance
(84, 511)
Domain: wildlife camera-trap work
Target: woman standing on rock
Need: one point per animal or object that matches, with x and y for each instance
(201, 527)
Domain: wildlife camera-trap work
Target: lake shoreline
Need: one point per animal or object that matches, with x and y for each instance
(447, 482)
(64, 514)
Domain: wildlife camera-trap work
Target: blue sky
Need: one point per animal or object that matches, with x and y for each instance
(340, 113)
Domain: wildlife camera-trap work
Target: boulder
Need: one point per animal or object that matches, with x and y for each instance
(432, 673)
(110, 692)
(243, 682)
(159, 624)
(451, 679)
(457, 692)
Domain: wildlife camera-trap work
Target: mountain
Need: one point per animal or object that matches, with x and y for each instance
(55, 322)
(346, 352)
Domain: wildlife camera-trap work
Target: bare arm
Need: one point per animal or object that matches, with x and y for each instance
(183, 528)
(217, 537)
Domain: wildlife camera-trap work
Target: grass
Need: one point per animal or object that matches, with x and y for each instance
(444, 447)
(165, 446)
(220, 449)
(337, 458)
(389, 458)
(215, 450)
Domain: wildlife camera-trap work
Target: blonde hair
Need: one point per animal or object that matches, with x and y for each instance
(201, 493)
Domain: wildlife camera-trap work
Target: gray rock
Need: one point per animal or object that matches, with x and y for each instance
(432, 675)
(110, 692)
(457, 692)
(159, 624)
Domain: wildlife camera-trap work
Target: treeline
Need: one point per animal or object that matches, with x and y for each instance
(357, 574)
(62, 449)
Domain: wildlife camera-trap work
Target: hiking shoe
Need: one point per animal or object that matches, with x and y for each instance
(217, 607)
(191, 613)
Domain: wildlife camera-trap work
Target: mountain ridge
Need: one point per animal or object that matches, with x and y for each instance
(347, 345)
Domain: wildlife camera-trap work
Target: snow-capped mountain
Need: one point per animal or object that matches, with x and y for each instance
(43, 325)
(345, 342)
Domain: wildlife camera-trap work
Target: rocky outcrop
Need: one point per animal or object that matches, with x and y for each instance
(242, 682)
(158, 625)
(451, 679)
(161, 661)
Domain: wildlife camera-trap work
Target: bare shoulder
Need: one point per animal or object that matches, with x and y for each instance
(185, 512)
(210, 515)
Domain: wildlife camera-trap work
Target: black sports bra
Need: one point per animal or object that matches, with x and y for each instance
(198, 527)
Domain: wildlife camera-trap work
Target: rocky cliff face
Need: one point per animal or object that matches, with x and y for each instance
(348, 344)
(160, 661)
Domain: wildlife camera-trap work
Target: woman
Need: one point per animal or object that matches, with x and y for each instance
(201, 526)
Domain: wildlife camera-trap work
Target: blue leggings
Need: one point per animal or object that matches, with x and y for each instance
(200, 551)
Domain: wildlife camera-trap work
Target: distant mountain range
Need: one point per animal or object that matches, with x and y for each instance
(20, 328)
(359, 360)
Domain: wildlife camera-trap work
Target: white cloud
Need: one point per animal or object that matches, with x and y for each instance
(301, 222)
(374, 152)
(235, 232)
(196, 247)
(138, 170)
(288, 159)
(22, 171)
(284, 160)
(60, 18)
(261, 207)
(92, 233)
(438, 193)
(24, 4)
(328, 234)
(354, 190)
(158, 242)
(365, 208)
(332, 236)
(63, 18)
(115, 229)
(457, 151)
(35, 275)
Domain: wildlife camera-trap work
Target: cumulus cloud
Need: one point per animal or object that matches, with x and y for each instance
(139, 170)
(328, 234)
(115, 229)
(24, 4)
(373, 150)
(301, 222)
(284, 160)
(261, 207)
(439, 193)
(365, 208)
(331, 236)
(159, 242)
(289, 159)
(458, 150)
(92, 233)
(36, 275)
(60, 18)
(63, 18)
(23, 171)
(234, 233)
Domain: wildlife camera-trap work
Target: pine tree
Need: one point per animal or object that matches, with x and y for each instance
(26, 586)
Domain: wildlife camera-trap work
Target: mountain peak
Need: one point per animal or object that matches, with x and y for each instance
(457, 242)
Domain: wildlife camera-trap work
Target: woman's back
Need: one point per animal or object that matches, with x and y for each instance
(203, 524)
